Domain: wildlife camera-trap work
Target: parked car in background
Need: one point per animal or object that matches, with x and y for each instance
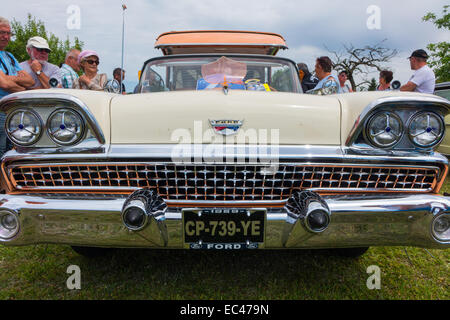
(221, 149)
(443, 90)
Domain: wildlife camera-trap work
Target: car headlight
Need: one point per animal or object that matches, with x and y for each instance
(9, 225)
(384, 129)
(441, 227)
(426, 129)
(65, 126)
(24, 127)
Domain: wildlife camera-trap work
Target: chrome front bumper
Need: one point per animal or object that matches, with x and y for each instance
(356, 221)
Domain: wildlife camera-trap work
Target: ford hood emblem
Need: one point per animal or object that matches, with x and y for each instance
(226, 127)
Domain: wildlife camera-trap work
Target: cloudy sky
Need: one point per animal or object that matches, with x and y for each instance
(309, 27)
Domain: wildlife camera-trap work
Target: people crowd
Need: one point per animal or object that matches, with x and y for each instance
(80, 71)
(422, 80)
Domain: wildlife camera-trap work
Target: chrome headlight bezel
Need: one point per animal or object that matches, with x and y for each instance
(36, 135)
(443, 236)
(7, 233)
(439, 137)
(388, 116)
(77, 135)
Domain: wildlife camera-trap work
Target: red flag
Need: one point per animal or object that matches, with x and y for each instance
(124, 7)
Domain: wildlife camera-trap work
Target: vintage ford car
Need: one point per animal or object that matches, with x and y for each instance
(220, 149)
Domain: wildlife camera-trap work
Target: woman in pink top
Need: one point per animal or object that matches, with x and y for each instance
(90, 80)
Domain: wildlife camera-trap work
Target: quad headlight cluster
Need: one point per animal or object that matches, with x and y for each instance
(64, 126)
(424, 129)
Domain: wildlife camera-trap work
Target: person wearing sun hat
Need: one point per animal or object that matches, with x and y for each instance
(91, 79)
(423, 79)
(38, 66)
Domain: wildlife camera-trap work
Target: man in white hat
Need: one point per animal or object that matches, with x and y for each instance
(38, 66)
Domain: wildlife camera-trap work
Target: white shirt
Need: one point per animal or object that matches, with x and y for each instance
(424, 80)
(345, 89)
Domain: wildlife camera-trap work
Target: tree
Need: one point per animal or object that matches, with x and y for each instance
(34, 27)
(372, 85)
(362, 60)
(440, 57)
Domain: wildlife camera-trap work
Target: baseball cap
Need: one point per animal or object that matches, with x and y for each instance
(420, 53)
(38, 42)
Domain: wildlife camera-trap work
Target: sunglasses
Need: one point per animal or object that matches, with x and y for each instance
(93, 61)
(6, 33)
(42, 50)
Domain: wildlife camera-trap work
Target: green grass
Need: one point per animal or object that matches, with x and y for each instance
(39, 272)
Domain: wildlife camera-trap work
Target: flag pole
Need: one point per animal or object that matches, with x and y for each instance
(124, 7)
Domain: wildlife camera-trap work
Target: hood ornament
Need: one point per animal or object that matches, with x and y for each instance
(226, 127)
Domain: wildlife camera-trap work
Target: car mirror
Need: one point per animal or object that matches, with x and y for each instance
(112, 86)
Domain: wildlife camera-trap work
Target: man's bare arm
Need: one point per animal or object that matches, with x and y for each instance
(410, 86)
(24, 79)
(44, 81)
(9, 85)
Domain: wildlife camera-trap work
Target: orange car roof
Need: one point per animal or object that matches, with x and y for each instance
(220, 41)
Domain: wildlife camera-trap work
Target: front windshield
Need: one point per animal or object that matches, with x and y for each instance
(215, 72)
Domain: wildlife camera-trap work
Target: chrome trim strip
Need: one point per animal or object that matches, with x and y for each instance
(360, 121)
(268, 152)
(284, 152)
(11, 99)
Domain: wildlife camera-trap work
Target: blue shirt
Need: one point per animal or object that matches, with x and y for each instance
(322, 82)
(10, 66)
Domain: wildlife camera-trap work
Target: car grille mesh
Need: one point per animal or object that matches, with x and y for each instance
(221, 182)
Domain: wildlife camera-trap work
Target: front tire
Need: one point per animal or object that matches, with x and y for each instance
(92, 252)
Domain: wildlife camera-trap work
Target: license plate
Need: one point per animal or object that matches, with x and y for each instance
(224, 228)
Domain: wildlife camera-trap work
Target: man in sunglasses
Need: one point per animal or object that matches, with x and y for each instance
(12, 77)
(38, 66)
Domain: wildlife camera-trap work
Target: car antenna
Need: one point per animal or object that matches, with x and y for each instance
(124, 7)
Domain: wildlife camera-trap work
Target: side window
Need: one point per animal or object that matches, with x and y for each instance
(152, 80)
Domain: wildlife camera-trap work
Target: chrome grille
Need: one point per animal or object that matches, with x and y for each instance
(221, 182)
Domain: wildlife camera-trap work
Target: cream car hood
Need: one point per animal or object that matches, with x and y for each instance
(184, 117)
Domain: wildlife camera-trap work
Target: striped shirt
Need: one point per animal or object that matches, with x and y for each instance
(68, 76)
